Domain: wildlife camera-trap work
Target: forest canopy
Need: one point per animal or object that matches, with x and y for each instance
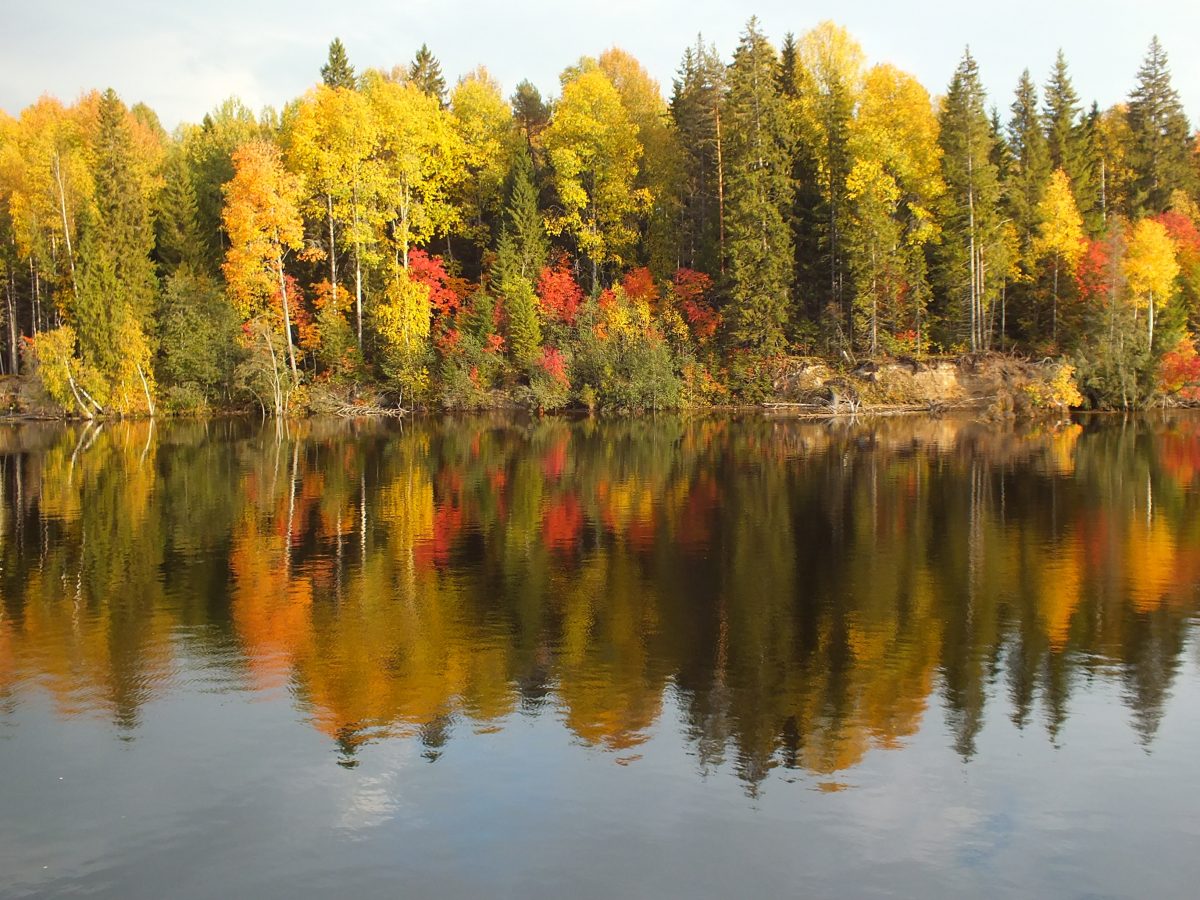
(439, 241)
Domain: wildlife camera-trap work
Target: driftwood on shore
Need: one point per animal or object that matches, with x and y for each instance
(353, 411)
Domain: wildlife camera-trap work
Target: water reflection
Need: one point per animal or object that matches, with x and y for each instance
(804, 592)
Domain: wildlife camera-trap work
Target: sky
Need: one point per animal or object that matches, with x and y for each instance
(184, 57)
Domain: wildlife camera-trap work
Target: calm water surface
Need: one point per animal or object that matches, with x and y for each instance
(653, 658)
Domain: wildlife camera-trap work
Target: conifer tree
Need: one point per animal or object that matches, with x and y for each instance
(970, 211)
(114, 306)
(426, 73)
(1066, 136)
(1029, 169)
(1025, 180)
(177, 230)
(337, 71)
(789, 63)
(696, 109)
(531, 115)
(524, 330)
(525, 219)
(759, 196)
(1161, 151)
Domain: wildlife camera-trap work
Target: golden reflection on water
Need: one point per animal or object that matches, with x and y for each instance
(806, 590)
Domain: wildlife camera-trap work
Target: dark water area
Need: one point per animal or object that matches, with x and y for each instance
(671, 657)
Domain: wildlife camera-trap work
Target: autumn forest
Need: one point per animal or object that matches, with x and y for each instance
(400, 238)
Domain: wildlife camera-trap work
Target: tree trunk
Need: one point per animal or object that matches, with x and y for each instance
(358, 296)
(332, 248)
(1054, 309)
(1151, 319)
(287, 318)
(62, 204)
(720, 194)
(13, 359)
(971, 231)
(146, 388)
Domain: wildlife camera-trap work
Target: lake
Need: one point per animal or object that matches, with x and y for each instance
(735, 656)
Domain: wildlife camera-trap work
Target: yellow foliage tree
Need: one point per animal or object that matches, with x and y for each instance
(594, 150)
(1060, 233)
(262, 218)
(1151, 267)
(46, 168)
(484, 123)
(892, 188)
(661, 168)
(332, 139)
(402, 321)
(420, 163)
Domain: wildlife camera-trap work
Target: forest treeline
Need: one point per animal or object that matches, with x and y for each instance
(390, 235)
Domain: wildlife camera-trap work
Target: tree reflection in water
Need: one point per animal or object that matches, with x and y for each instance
(805, 590)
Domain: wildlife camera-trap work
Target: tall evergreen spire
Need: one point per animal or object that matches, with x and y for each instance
(1029, 168)
(1161, 141)
(1067, 138)
(760, 195)
(971, 201)
(525, 219)
(337, 71)
(426, 73)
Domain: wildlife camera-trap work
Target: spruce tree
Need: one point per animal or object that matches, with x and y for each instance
(337, 71)
(1029, 168)
(524, 330)
(759, 196)
(177, 234)
(1067, 139)
(426, 73)
(1161, 151)
(525, 219)
(115, 302)
(788, 66)
(971, 205)
(696, 110)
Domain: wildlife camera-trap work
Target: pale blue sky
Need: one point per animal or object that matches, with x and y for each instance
(183, 56)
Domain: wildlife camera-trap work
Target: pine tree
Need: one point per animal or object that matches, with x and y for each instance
(1066, 136)
(524, 330)
(177, 232)
(337, 71)
(789, 63)
(1029, 170)
(1161, 143)
(426, 73)
(525, 219)
(759, 196)
(696, 110)
(114, 306)
(970, 212)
